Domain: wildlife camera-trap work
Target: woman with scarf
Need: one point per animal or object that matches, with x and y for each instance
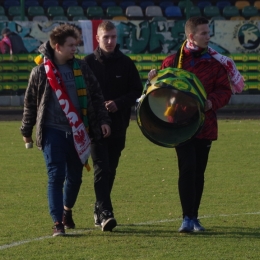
(219, 77)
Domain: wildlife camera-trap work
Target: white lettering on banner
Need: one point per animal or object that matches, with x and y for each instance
(58, 79)
(81, 140)
(47, 68)
(73, 117)
(80, 135)
(65, 104)
(58, 93)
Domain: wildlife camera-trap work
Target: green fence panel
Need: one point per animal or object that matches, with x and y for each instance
(15, 70)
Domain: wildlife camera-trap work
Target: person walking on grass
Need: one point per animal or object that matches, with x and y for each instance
(218, 75)
(64, 100)
(121, 86)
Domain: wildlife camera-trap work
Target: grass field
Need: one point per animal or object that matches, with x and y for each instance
(145, 200)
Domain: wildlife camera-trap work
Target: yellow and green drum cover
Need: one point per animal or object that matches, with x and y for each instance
(171, 110)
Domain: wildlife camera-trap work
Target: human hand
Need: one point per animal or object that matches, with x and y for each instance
(208, 105)
(152, 74)
(111, 106)
(106, 130)
(28, 142)
(27, 139)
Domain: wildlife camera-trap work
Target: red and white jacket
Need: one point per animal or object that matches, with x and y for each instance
(214, 78)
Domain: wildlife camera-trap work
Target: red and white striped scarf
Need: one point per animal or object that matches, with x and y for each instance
(80, 135)
(236, 80)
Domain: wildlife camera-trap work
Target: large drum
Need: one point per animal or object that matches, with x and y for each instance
(171, 110)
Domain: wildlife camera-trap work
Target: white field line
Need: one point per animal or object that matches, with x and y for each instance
(135, 224)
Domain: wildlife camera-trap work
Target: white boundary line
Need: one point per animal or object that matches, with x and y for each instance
(137, 224)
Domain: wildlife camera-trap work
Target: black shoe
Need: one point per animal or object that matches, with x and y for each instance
(108, 222)
(97, 219)
(67, 220)
(58, 229)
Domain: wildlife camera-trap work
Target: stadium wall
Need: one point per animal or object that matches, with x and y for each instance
(146, 42)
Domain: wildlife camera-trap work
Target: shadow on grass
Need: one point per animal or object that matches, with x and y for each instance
(238, 232)
(168, 231)
(163, 231)
(74, 235)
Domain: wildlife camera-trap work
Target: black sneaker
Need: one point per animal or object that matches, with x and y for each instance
(67, 220)
(58, 229)
(108, 222)
(97, 219)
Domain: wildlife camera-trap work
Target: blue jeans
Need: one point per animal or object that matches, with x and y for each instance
(64, 170)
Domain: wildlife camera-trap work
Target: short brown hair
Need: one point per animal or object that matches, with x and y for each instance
(193, 22)
(60, 33)
(106, 26)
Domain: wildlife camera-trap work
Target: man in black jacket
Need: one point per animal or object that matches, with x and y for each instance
(121, 86)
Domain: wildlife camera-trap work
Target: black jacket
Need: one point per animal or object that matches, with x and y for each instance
(119, 81)
(17, 43)
(38, 92)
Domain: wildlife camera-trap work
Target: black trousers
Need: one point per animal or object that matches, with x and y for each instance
(192, 162)
(105, 155)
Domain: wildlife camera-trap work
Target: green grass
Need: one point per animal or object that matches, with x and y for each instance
(145, 199)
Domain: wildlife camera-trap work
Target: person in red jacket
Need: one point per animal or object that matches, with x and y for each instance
(11, 43)
(195, 56)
